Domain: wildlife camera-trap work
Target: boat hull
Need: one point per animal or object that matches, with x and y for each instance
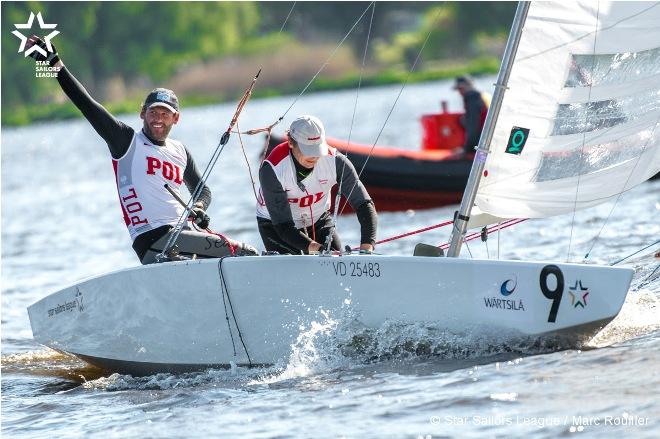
(211, 313)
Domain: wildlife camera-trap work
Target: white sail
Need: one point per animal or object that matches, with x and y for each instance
(579, 123)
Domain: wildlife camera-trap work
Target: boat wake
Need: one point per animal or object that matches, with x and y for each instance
(640, 313)
(234, 378)
(343, 342)
(50, 363)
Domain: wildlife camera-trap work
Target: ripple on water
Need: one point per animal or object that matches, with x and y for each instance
(379, 382)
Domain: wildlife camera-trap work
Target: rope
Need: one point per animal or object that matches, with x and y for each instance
(247, 162)
(224, 304)
(403, 235)
(496, 228)
(225, 290)
(633, 254)
(232, 249)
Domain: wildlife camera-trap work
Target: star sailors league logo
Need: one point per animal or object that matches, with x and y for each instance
(24, 30)
(578, 294)
(24, 39)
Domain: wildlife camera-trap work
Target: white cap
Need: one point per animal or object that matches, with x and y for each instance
(309, 134)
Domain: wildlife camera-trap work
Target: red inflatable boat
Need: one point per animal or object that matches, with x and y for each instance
(400, 179)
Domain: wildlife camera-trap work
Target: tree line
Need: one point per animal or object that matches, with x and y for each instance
(149, 41)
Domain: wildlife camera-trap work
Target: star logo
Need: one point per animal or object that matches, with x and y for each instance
(578, 294)
(42, 26)
(79, 299)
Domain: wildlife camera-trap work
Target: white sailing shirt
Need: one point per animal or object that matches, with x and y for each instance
(308, 199)
(141, 175)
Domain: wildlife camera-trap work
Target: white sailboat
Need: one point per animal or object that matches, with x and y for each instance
(576, 126)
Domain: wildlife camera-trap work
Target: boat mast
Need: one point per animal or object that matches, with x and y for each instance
(479, 162)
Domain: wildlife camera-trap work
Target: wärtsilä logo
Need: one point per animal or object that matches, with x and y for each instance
(506, 289)
(509, 283)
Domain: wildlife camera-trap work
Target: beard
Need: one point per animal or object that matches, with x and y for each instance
(162, 133)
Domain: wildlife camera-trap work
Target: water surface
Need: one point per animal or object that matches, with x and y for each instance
(61, 222)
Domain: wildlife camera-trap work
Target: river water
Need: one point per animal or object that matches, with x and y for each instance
(61, 222)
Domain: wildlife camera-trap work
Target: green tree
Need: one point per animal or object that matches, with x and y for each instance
(102, 40)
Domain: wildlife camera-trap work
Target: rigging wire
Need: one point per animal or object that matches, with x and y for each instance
(268, 129)
(209, 167)
(468, 248)
(498, 242)
(350, 133)
(287, 17)
(389, 114)
(651, 275)
(623, 189)
(325, 64)
(584, 134)
(633, 254)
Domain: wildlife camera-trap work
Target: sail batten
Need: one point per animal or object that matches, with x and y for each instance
(579, 123)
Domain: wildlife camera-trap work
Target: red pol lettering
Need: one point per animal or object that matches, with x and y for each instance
(307, 200)
(168, 170)
(133, 207)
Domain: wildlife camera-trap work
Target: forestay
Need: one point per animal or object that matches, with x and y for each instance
(579, 122)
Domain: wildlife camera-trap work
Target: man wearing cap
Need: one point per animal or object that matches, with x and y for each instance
(476, 109)
(296, 178)
(144, 161)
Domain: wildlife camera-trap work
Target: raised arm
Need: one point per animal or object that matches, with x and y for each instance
(116, 134)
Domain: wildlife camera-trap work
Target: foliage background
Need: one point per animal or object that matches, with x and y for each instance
(204, 50)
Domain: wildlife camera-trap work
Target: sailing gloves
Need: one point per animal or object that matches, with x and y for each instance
(51, 55)
(200, 217)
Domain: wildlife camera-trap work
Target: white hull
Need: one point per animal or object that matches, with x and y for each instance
(173, 316)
